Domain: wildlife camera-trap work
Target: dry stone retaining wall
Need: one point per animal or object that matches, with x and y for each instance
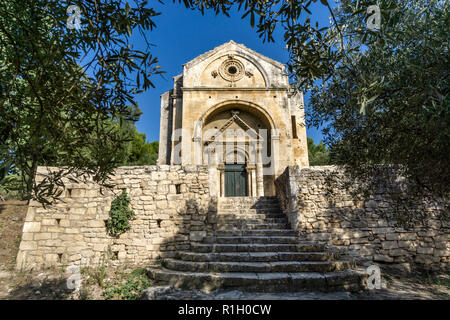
(365, 229)
(177, 204)
(171, 205)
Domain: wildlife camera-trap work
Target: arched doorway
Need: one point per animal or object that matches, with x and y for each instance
(237, 139)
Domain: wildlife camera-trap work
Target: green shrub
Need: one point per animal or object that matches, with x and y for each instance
(131, 289)
(120, 214)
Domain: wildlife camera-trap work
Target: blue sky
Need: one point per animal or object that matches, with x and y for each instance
(182, 35)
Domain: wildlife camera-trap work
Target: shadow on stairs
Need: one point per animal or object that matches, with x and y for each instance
(254, 249)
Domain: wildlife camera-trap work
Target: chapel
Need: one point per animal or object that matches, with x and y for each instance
(234, 110)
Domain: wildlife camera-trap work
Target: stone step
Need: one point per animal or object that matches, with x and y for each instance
(274, 208)
(252, 213)
(242, 225)
(255, 256)
(248, 199)
(266, 232)
(253, 248)
(240, 205)
(278, 266)
(252, 239)
(262, 282)
(265, 207)
(252, 201)
(206, 247)
(247, 216)
(272, 205)
(253, 220)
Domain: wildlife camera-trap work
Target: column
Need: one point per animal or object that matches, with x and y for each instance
(165, 129)
(213, 176)
(198, 152)
(252, 180)
(259, 173)
(221, 181)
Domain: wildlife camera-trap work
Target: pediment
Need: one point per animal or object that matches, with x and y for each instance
(232, 46)
(212, 69)
(243, 132)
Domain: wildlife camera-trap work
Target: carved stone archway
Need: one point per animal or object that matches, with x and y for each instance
(232, 130)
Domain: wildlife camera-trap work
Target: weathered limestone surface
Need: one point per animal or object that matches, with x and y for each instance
(176, 209)
(365, 229)
(73, 231)
(253, 248)
(205, 97)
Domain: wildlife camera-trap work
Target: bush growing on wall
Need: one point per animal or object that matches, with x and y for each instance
(120, 214)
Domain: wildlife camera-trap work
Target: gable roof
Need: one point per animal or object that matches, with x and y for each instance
(230, 43)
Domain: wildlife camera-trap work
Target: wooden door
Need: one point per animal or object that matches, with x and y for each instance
(235, 180)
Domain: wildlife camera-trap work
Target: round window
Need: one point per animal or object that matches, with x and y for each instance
(232, 70)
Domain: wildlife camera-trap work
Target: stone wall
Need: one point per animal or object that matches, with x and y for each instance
(178, 204)
(363, 228)
(171, 204)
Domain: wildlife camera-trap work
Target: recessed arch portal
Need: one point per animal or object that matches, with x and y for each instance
(229, 104)
(237, 137)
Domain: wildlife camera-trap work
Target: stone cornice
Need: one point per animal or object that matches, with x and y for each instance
(232, 89)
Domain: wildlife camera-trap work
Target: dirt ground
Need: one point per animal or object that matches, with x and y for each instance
(127, 282)
(12, 216)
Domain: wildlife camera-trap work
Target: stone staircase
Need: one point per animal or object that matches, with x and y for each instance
(254, 249)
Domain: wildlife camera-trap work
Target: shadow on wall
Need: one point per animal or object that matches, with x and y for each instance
(172, 205)
(377, 219)
(193, 224)
(168, 230)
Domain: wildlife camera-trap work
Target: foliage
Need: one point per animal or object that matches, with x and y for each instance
(11, 186)
(137, 151)
(84, 294)
(96, 275)
(389, 103)
(131, 289)
(383, 94)
(64, 92)
(314, 50)
(318, 154)
(120, 214)
(142, 152)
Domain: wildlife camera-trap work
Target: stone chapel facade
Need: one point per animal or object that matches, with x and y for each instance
(233, 177)
(233, 110)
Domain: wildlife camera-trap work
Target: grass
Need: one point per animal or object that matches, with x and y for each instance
(432, 279)
(130, 286)
(84, 294)
(94, 276)
(113, 283)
